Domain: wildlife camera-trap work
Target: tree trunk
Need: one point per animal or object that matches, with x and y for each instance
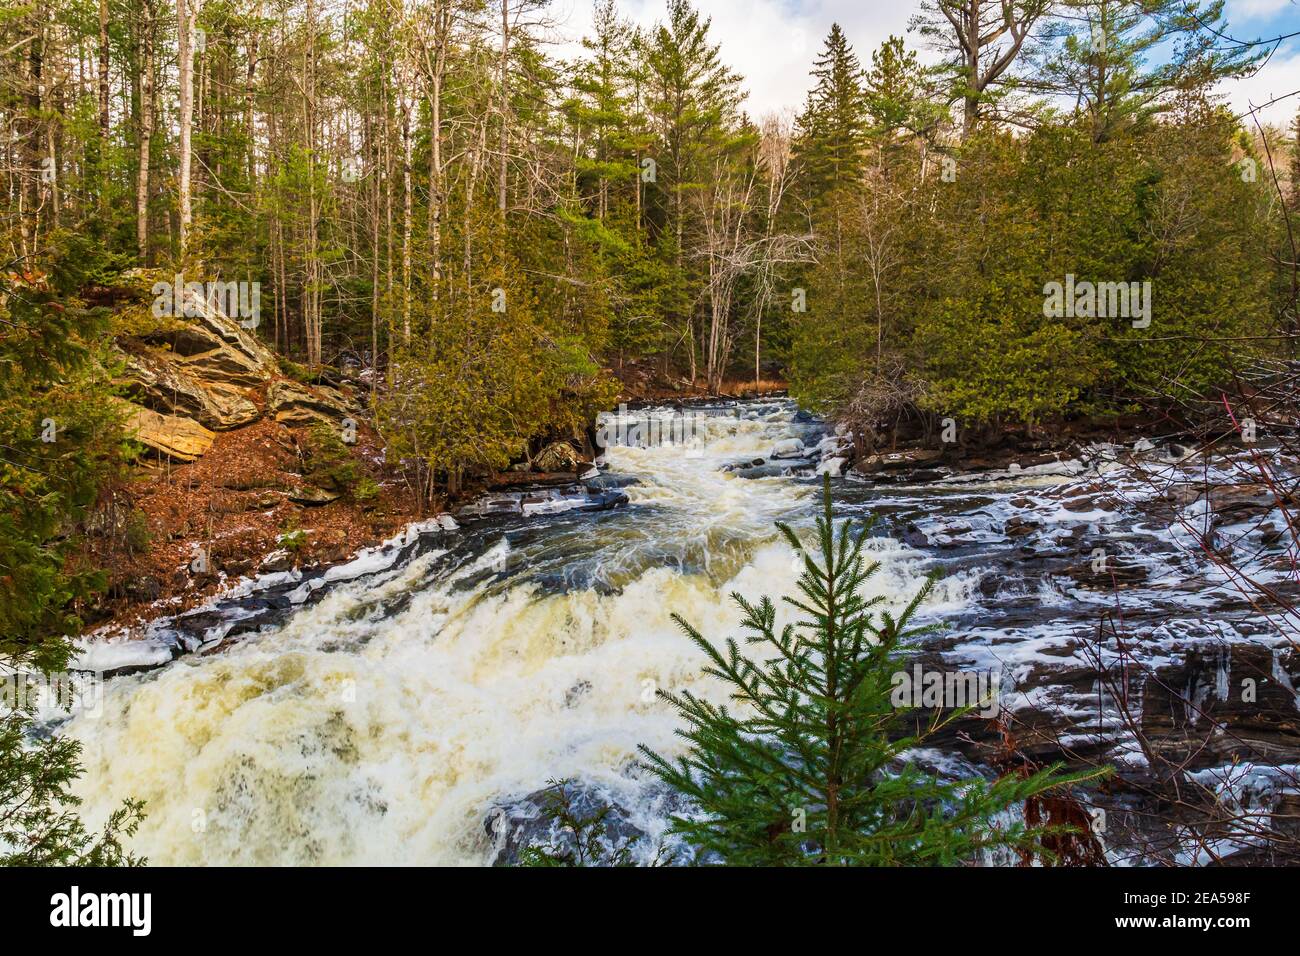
(146, 132)
(186, 15)
(406, 219)
(103, 71)
(249, 101)
(504, 80)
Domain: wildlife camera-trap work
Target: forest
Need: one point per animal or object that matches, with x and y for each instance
(1022, 218)
(395, 179)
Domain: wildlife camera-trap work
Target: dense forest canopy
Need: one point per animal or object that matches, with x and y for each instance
(495, 234)
(394, 175)
(1019, 213)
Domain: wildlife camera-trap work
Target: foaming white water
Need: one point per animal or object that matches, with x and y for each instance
(355, 735)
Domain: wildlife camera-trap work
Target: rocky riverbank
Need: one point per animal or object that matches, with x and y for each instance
(251, 467)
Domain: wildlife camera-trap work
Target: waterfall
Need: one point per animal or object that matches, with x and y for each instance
(382, 723)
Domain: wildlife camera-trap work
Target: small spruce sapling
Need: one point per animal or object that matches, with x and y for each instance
(810, 767)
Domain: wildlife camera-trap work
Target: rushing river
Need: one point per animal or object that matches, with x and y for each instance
(384, 719)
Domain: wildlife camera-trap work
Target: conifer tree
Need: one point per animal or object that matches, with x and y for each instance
(810, 766)
(1125, 61)
(831, 139)
(62, 441)
(894, 93)
(693, 105)
(39, 825)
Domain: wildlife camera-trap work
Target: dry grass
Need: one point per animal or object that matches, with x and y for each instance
(749, 387)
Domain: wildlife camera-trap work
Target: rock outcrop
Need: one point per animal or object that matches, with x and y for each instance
(557, 456)
(294, 404)
(160, 383)
(188, 377)
(175, 436)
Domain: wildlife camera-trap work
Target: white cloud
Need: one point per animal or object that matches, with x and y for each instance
(772, 43)
(1238, 10)
(1280, 76)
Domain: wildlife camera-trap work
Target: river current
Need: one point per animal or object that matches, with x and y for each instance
(382, 720)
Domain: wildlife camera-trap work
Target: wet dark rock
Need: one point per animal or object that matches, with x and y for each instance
(894, 460)
(1244, 501)
(1113, 573)
(1238, 698)
(604, 500)
(762, 471)
(1019, 527)
(516, 825)
(914, 537)
(608, 482)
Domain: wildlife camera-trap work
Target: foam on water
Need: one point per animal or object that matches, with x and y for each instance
(352, 734)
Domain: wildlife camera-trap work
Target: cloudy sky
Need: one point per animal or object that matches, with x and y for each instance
(772, 42)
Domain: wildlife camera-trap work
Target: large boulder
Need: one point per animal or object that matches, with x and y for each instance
(557, 456)
(160, 382)
(181, 439)
(294, 404)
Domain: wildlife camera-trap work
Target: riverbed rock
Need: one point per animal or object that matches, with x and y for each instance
(908, 458)
(1230, 703)
(1017, 527)
(1247, 500)
(516, 825)
(772, 470)
(557, 456)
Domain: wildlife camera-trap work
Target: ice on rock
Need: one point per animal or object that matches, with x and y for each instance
(787, 448)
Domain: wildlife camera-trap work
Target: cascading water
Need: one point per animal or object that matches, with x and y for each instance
(381, 724)
(420, 690)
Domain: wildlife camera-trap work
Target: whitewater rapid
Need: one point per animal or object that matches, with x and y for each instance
(383, 723)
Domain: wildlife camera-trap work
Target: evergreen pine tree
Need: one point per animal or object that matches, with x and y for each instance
(62, 441)
(811, 767)
(1098, 53)
(38, 821)
(894, 93)
(831, 139)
